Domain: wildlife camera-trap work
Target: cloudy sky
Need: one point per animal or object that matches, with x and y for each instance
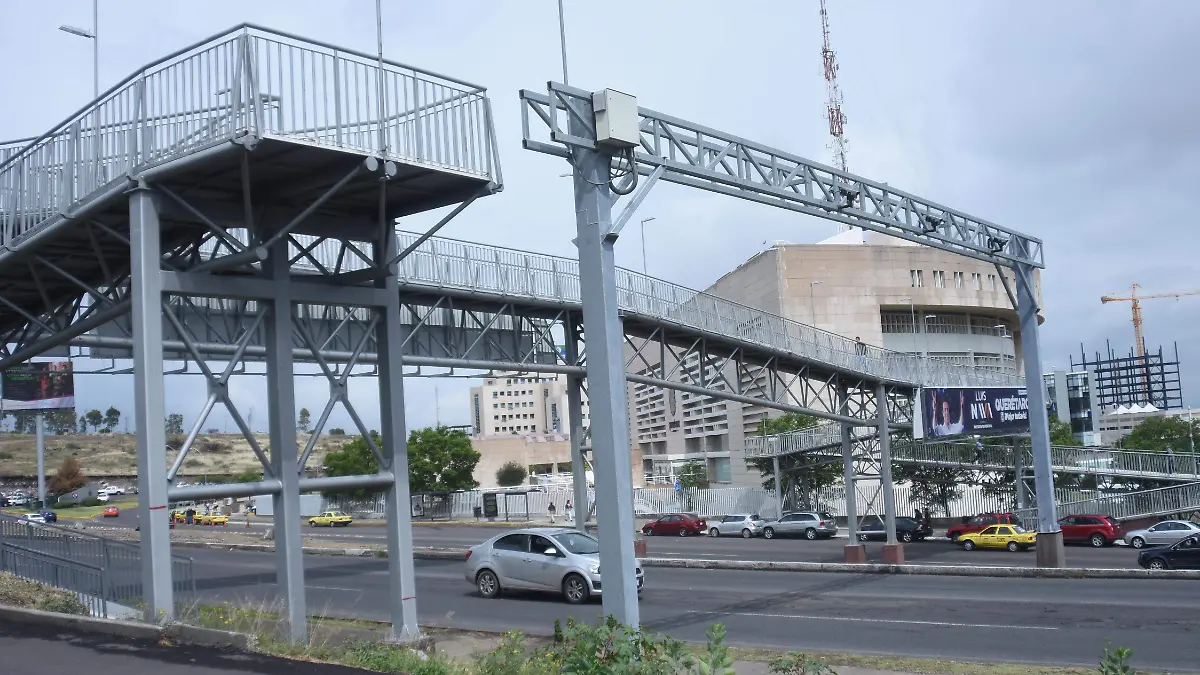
(1072, 121)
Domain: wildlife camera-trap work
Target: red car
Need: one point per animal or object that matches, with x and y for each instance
(111, 512)
(978, 523)
(682, 524)
(1099, 531)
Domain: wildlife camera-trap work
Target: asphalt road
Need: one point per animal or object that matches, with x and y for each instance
(37, 649)
(1046, 621)
(723, 548)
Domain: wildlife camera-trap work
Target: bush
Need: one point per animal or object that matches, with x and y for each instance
(175, 441)
(510, 474)
(63, 603)
(337, 431)
(800, 664)
(91, 501)
(68, 477)
(213, 446)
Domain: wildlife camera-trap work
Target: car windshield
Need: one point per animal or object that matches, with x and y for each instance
(578, 543)
(691, 516)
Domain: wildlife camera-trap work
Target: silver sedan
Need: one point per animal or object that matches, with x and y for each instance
(745, 525)
(560, 560)
(1163, 534)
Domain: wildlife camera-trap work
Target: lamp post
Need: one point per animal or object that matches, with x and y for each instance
(644, 221)
(94, 36)
(925, 330)
(812, 305)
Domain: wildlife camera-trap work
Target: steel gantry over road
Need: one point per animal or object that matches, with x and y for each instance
(610, 142)
(235, 201)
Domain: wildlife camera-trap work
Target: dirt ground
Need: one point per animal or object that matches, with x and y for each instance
(116, 454)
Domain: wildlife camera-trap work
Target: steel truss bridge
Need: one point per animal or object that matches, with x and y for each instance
(236, 201)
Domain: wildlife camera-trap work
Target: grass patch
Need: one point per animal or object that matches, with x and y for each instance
(906, 664)
(17, 592)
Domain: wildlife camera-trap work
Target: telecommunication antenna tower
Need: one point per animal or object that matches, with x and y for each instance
(833, 102)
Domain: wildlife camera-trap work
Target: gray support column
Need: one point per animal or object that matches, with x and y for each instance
(1022, 497)
(854, 551)
(146, 317)
(41, 458)
(607, 399)
(893, 552)
(575, 428)
(281, 403)
(1049, 538)
(778, 490)
(848, 478)
(394, 438)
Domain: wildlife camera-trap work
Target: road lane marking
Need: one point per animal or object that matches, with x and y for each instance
(337, 588)
(865, 620)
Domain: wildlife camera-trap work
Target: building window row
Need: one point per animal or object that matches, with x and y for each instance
(917, 280)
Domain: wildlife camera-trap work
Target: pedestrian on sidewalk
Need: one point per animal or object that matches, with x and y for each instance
(570, 511)
(190, 513)
(551, 509)
(917, 515)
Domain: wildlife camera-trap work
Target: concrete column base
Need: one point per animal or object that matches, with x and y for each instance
(893, 554)
(856, 554)
(1050, 551)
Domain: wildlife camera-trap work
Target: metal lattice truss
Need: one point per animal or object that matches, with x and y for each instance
(701, 157)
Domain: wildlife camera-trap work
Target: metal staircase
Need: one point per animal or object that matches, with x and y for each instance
(1176, 499)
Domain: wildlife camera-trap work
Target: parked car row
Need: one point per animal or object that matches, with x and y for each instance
(810, 525)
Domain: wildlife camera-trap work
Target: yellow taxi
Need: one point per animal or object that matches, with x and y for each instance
(330, 519)
(1011, 537)
(213, 519)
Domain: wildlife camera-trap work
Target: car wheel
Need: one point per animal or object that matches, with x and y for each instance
(1137, 542)
(714, 532)
(312, 523)
(1012, 546)
(1098, 541)
(575, 589)
(968, 545)
(769, 533)
(746, 533)
(862, 537)
(648, 532)
(487, 583)
(683, 532)
(954, 538)
(810, 534)
(906, 537)
(1158, 564)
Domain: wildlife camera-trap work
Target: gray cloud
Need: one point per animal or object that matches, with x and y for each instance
(1072, 121)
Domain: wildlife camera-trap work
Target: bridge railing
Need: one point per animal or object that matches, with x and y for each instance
(246, 82)
(1183, 498)
(448, 263)
(73, 553)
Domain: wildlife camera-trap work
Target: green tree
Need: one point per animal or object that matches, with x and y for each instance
(932, 486)
(1060, 433)
(94, 419)
(510, 474)
(112, 418)
(438, 459)
(174, 424)
(337, 431)
(693, 475)
(806, 472)
(354, 459)
(441, 459)
(304, 421)
(1161, 433)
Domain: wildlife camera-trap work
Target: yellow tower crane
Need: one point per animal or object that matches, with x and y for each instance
(1137, 311)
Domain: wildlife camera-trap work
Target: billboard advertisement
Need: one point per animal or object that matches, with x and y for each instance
(38, 386)
(987, 411)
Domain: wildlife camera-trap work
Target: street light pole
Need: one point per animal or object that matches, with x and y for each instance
(562, 39)
(94, 36)
(644, 220)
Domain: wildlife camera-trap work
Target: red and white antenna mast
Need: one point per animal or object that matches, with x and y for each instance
(833, 103)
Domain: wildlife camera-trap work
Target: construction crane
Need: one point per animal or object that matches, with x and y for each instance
(1137, 311)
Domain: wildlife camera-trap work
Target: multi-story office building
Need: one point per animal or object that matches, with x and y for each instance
(1072, 398)
(882, 290)
(522, 404)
